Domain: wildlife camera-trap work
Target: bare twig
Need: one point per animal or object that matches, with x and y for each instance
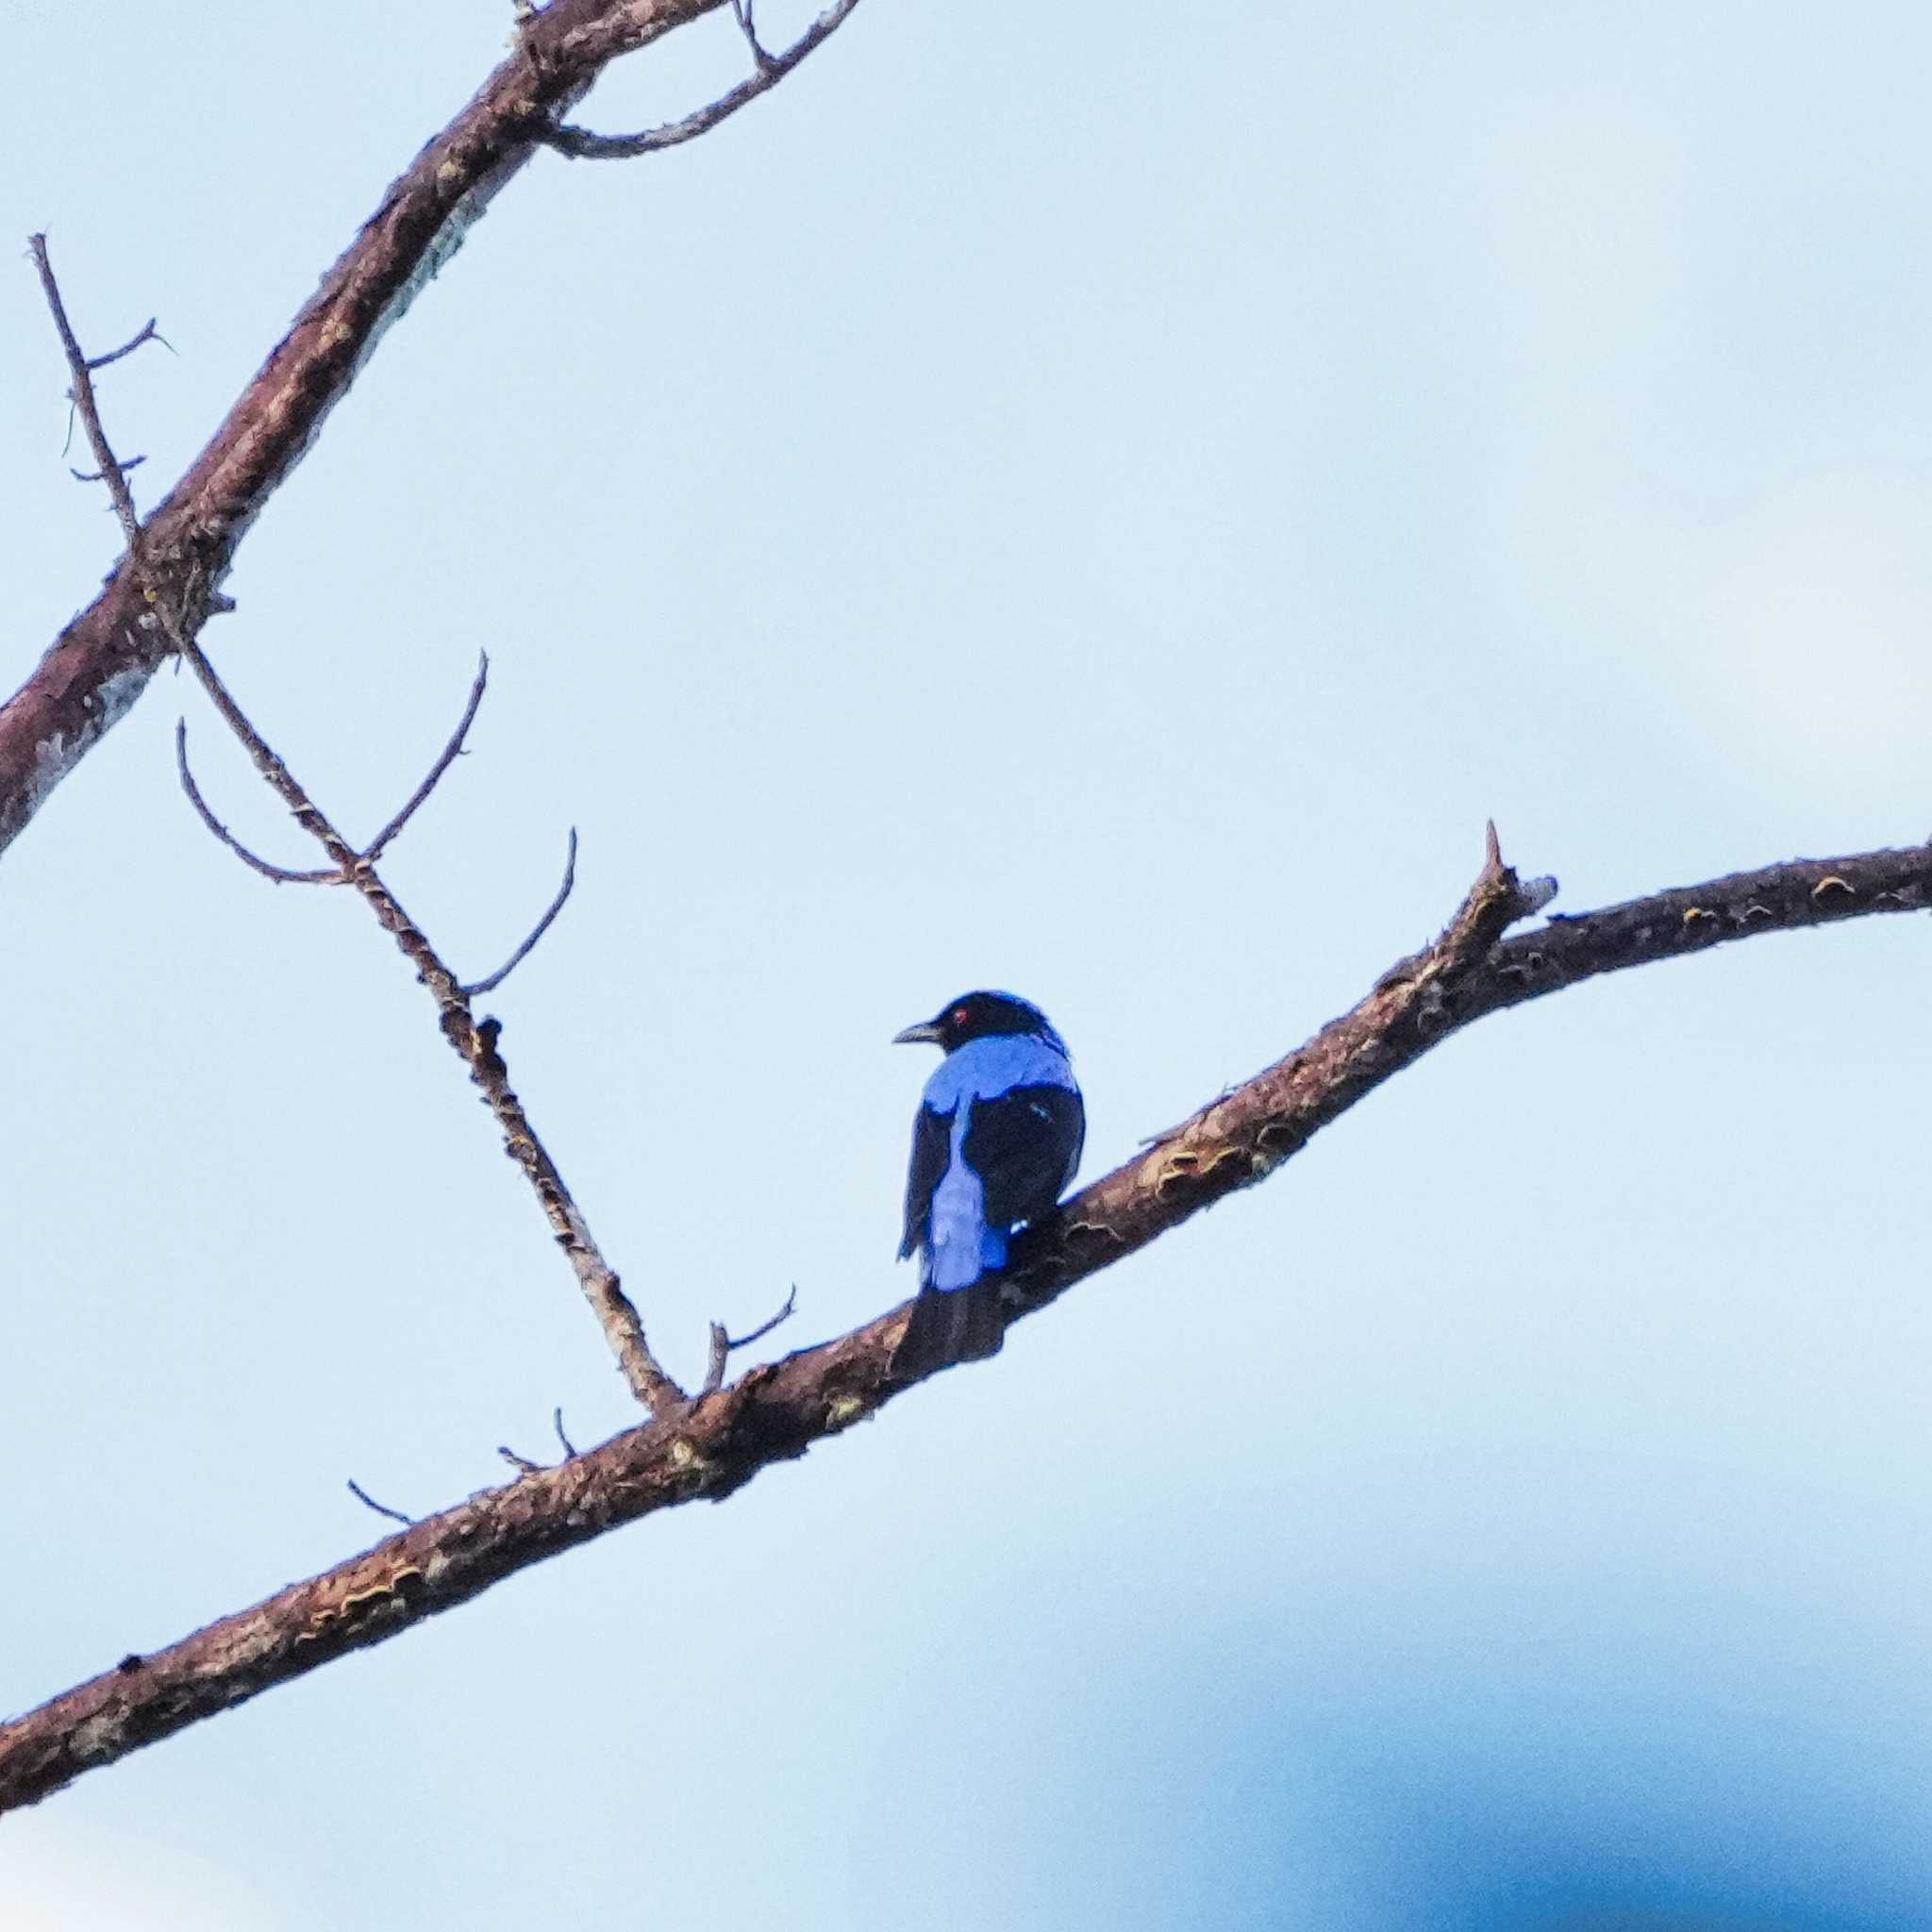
(778, 1410)
(723, 1346)
(131, 464)
(536, 931)
(362, 1496)
(146, 333)
(474, 1042)
(335, 875)
(525, 1463)
(743, 11)
(81, 395)
(765, 1327)
(580, 144)
(281, 874)
(448, 756)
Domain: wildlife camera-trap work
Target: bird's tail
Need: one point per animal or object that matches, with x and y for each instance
(948, 1325)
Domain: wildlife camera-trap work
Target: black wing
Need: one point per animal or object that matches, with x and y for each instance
(932, 1144)
(1025, 1146)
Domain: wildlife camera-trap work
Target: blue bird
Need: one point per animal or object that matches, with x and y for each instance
(997, 1142)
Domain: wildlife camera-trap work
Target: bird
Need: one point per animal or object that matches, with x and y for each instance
(995, 1142)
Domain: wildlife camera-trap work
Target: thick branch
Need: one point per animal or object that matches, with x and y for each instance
(779, 1412)
(1245, 1135)
(102, 661)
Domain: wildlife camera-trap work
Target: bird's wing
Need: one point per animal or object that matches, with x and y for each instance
(1025, 1146)
(932, 1142)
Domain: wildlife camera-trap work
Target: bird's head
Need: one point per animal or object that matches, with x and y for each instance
(973, 1016)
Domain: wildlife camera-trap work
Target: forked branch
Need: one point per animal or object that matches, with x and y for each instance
(473, 1040)
(475, 1043)
(724, 1344)
(768, 70)
(281, 874)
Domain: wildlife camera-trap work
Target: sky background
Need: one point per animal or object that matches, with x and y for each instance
(1102, 501)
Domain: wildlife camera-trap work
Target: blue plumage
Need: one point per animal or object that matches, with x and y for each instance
(996, 1140)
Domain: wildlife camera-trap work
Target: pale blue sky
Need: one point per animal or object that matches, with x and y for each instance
(1099, 500)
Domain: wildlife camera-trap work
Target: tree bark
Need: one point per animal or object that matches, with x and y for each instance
(100, 664)
(777, 1412)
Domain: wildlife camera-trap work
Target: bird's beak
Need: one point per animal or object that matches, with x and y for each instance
(926, 1034)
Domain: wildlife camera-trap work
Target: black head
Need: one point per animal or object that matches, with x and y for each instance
(973, 1016)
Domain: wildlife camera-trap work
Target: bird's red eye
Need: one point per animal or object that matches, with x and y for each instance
(961, 1016)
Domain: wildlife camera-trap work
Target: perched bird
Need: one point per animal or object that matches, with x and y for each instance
(997, 1140)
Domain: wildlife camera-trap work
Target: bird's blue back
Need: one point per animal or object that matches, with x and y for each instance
(991, 1084)
(995, 1064)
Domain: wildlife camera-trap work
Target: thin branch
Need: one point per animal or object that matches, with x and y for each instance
(371, 853)
(448, 756)
(474, 1042)
(81, 393)
(520, 1463)
(771, 1321)
(536, 931)
(723, 1346)
(132, 464)
(580, 144)
(362, 1496)
(743, 12)
(281, 874)
(777, 1411)
(557, 1419)
(147, 333)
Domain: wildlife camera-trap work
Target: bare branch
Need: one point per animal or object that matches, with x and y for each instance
(557, 1419)
(475, 1042)
(97, 667)
(95, 476)
(362, 1496)
(580, 144)
(81, 393)
(448, 756)
(536, 931)
(147, 333)
(521, 1463)
(771, 1321)
(778, 1410)
(1245, 1133)
(720, 1355)
(742, 11)
(281, 874)
(723, 1346)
